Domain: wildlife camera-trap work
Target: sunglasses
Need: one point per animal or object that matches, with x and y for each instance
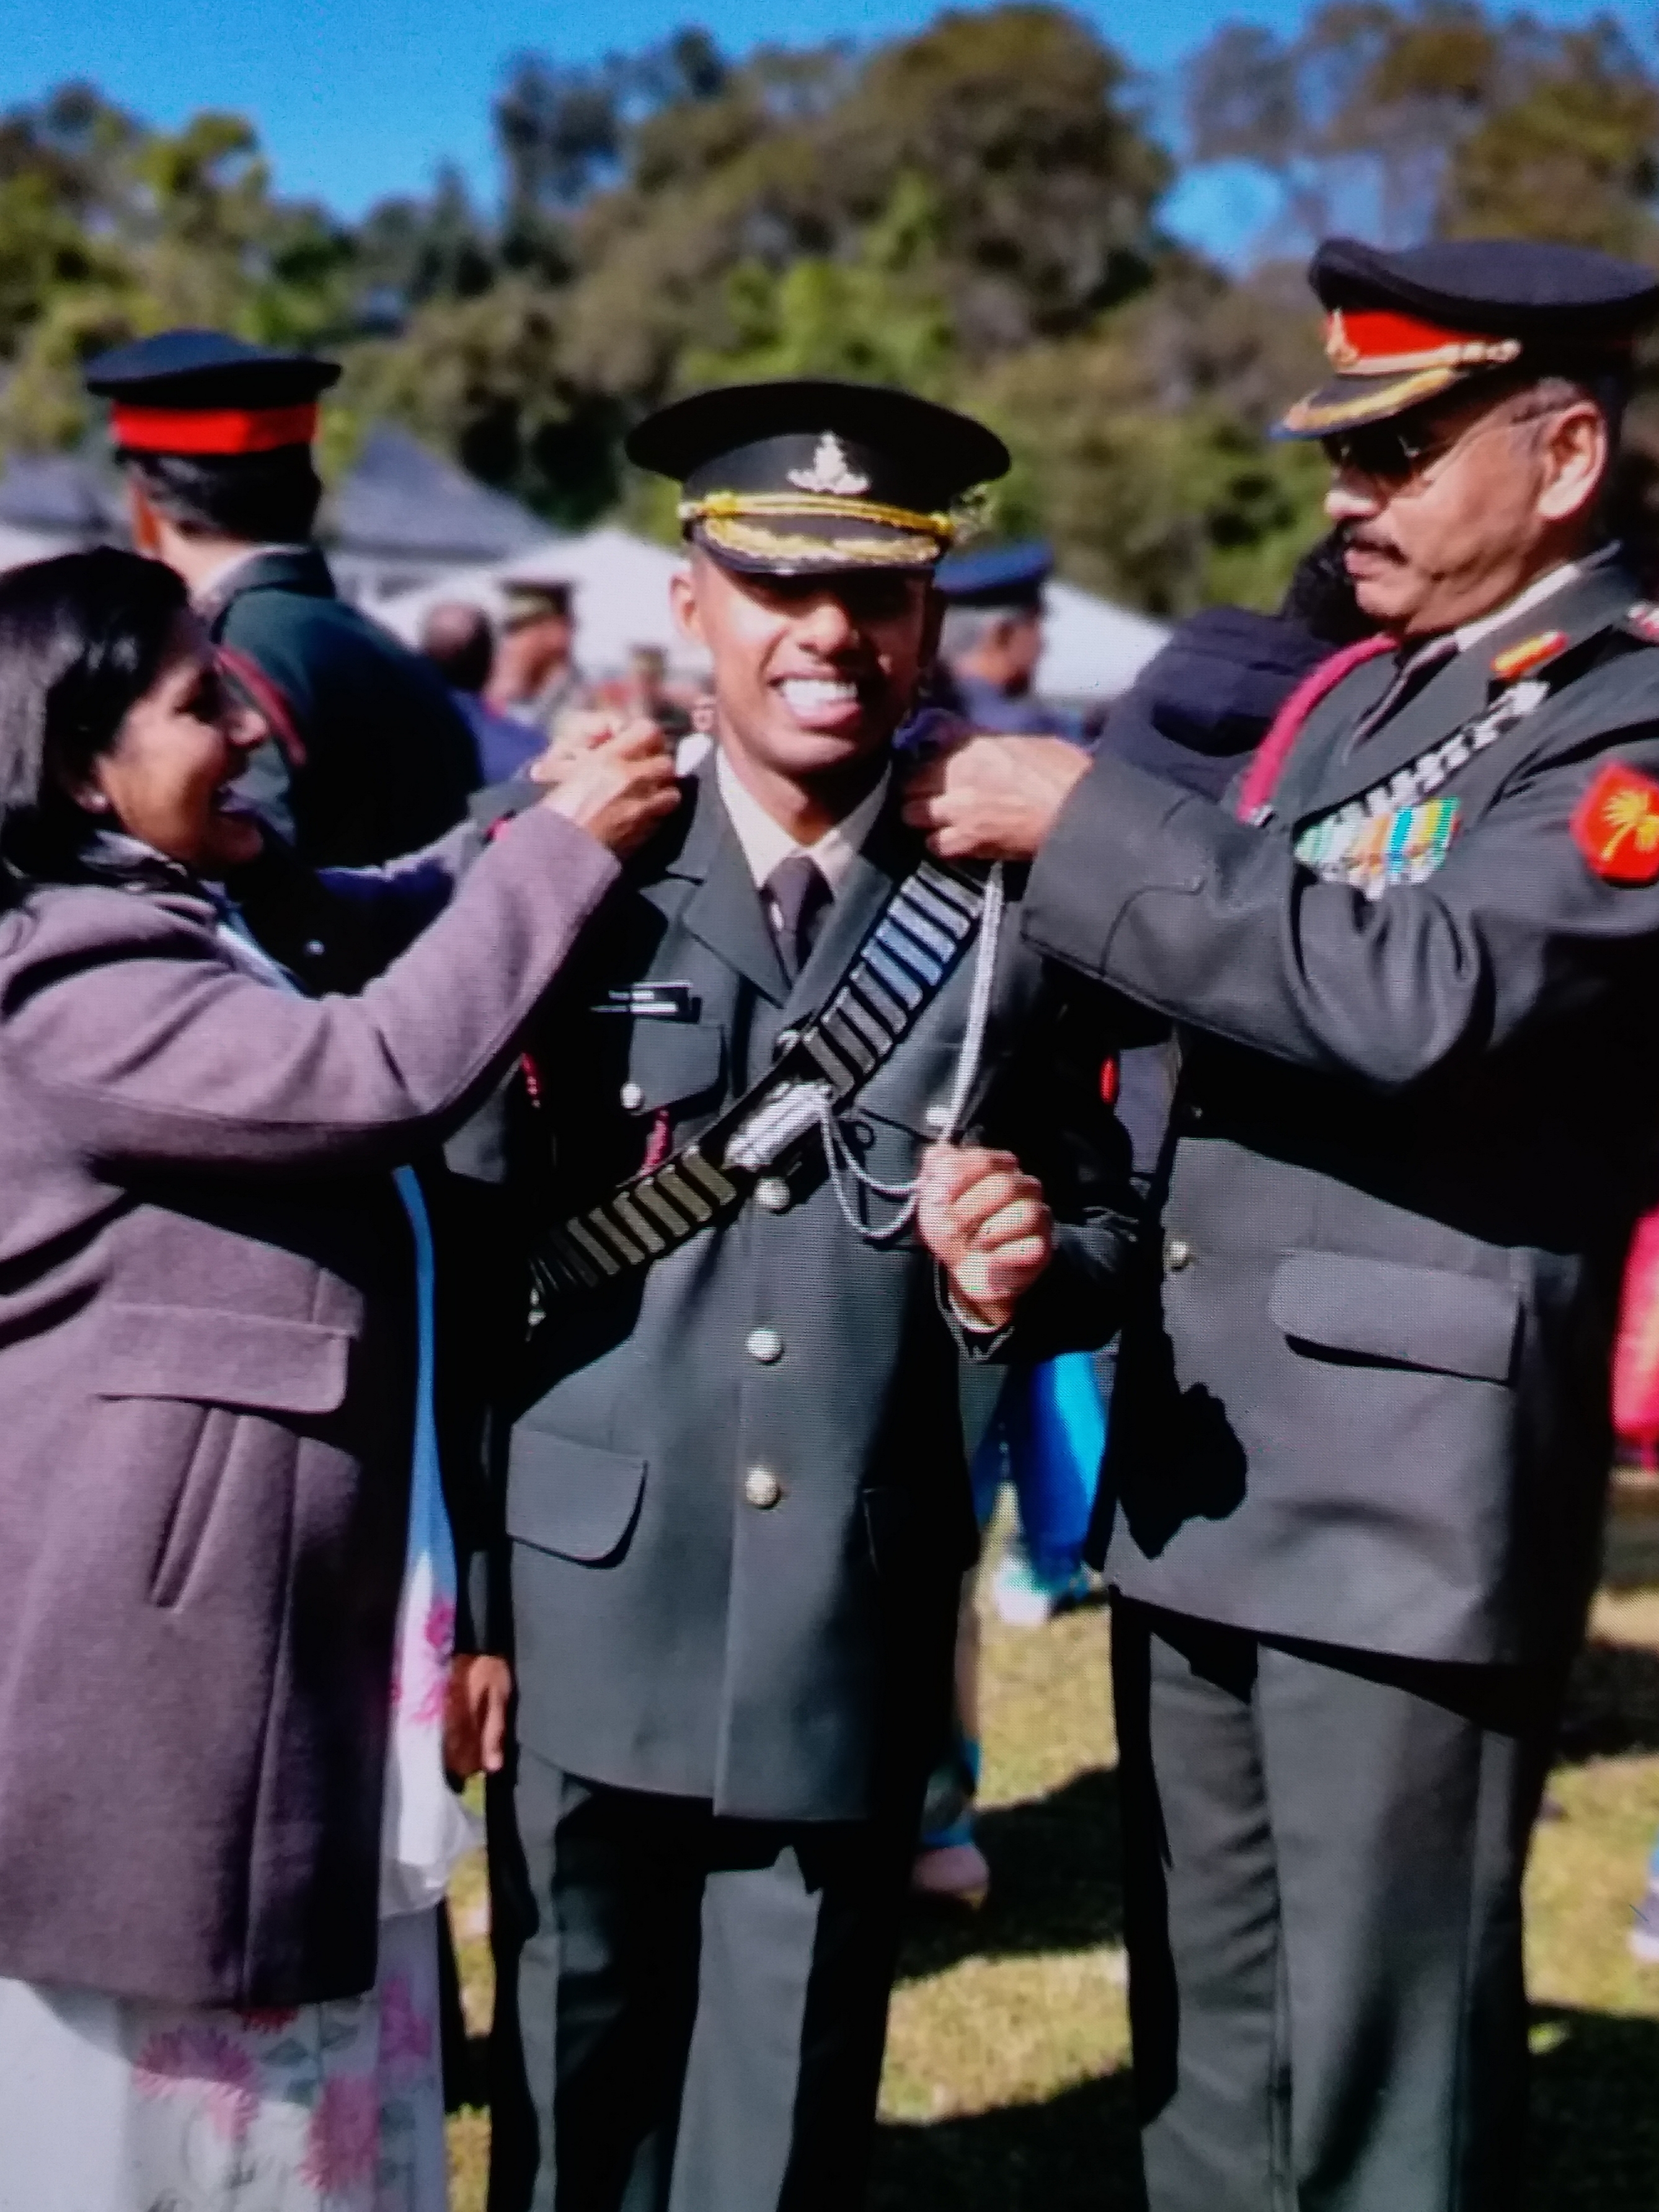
(1388, 452)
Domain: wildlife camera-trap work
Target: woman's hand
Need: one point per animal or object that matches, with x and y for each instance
(993, 799)
(475, 1715)
(988, 1223)
(617, 785)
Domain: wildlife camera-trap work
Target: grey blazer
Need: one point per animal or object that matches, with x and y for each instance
(1362, 1395)
(206, 1384)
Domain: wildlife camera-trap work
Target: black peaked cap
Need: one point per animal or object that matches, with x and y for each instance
(192, 368)
(1522, 288)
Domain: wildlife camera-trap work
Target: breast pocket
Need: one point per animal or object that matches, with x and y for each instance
(677, 1065)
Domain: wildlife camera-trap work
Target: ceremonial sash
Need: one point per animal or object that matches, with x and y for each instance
(905, 956)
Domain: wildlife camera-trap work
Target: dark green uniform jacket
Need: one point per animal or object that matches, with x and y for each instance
(1364, 1396)
(671, 1634)
(370, 756)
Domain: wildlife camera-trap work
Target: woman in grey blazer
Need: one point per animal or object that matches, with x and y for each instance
(208, 1397)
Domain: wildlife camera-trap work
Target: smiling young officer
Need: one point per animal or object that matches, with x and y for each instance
(734, 1492)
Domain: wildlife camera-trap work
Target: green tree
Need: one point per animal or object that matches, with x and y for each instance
(1438, 119)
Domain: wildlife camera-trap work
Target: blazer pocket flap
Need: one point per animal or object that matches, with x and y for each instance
(668, 1062)
(574, 1500)
(1409, 1316)
(220, 1359)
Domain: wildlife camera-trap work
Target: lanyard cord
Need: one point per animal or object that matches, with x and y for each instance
(847, 1178)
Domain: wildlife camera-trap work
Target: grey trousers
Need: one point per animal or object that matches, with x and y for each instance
(690, 2010)
(1323, 1855)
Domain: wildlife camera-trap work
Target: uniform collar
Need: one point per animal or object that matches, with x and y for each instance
(278, 567)
(765, 842)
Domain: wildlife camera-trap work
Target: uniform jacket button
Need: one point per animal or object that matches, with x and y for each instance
(632, 1098)
(762, 1488)
(773, 1192)
(765, 1345)
(1177, 1254)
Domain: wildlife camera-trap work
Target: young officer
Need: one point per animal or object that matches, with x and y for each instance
(735, 1493)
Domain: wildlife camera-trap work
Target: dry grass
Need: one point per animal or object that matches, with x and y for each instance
(1006, 2081)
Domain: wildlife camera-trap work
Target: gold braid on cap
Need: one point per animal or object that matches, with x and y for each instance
(729, 505)
(762, 543)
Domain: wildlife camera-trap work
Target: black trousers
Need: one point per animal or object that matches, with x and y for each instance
(690, 2011)
(1324, 1852)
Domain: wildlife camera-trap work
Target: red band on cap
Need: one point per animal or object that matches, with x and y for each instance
(1380, 341)
(212, 429)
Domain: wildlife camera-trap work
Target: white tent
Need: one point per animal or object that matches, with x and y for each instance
(1094, 650)
(621, 597)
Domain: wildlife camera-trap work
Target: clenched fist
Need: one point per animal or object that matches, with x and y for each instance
(993, 799)
(617, 784)
(987, 1222)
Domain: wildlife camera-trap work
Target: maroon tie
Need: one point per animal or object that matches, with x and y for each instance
(801, 896)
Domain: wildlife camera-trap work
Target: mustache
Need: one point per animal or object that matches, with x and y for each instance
(1360, 539)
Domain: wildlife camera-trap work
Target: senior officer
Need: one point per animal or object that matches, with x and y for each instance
(734, 1489)
(1359, 1442)
(369, 757)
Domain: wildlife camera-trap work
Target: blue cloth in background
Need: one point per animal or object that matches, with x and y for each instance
(1045, 1438)
(1203, 703)
(505, 747)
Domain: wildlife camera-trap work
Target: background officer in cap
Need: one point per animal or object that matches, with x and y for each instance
(735, 1488)
(369, 757)
(992, 641)
(535, 678)
(1360, 1435)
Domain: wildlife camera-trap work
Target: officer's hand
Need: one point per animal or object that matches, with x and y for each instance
(619, 787)
(475, 1715)
(993, 799)
(988, 1223)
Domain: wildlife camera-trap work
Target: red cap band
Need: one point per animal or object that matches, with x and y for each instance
(212, 429)
(1380, 341)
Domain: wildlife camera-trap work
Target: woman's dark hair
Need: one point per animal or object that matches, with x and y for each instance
(259, 499)
(82, 639)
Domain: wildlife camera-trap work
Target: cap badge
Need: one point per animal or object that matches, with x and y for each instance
(1531, 652)
(1616, 826)
(1340, 348)
(831, 471)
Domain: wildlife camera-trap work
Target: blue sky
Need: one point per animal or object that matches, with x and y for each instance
(354, 98)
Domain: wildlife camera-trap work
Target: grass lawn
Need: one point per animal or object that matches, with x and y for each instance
(1007, 2084)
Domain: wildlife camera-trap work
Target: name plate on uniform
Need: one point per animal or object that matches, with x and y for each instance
(650, 1002)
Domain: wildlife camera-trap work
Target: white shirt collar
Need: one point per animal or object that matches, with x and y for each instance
(766, 842)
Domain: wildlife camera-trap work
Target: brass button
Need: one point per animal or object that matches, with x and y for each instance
(1177, 1254)
(632, 1098)
(786, 1042)
(762, 1488)
(773, 1192)
(765, 1345)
